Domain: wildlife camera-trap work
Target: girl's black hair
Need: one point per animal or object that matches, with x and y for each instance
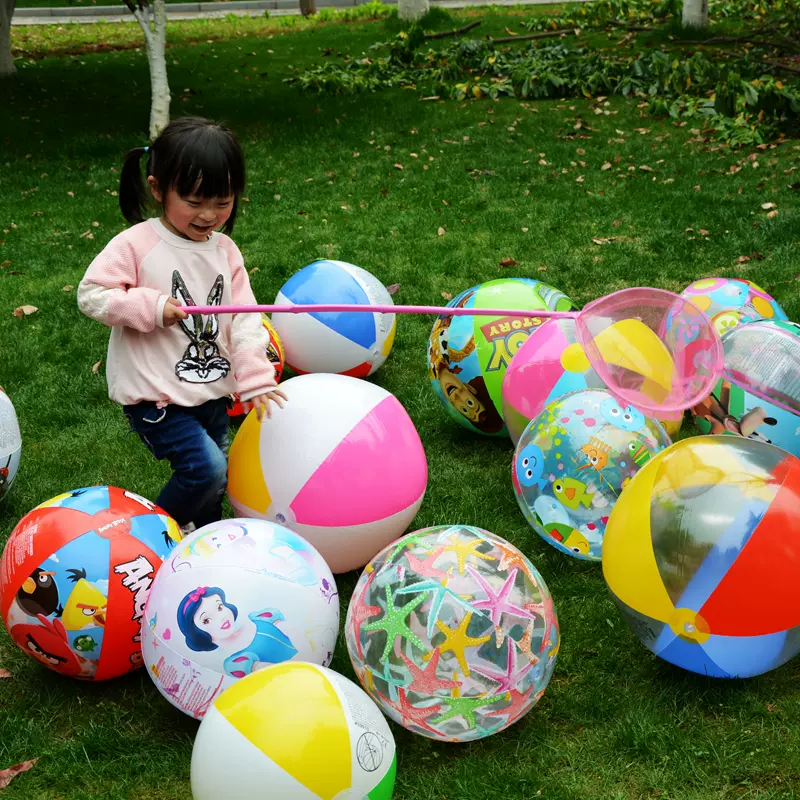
(192, 156)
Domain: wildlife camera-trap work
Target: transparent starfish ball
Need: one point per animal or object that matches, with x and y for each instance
(453, 632)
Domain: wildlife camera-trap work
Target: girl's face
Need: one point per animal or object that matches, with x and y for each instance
(214, 618)
(192, 217)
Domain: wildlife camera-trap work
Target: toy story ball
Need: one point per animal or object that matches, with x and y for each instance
(728, 302)
(10, 444)
(468, 356)
(702, 554)
(275, 356)
(75, 576)
(293, 731)
(232, 598)
(573, 461)
(759, 397)
(355, 343)
(341, 464)
(453, 632)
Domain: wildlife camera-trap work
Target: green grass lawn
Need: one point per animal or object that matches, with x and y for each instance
(504, 180)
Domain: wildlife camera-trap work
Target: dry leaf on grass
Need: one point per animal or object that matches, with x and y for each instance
(447, 295)
(8, 775)
(508, 262)
(252, 271)
(24, 311)
(606, 166)
(96, 367)
(4, 673)
(603, 240)
(393, 288)
(398, 165)
(441, 231)
(68, 288)
(771, 214)
(768, 206)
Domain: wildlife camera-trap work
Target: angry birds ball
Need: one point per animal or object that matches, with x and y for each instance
(573, 461)
(347, 343)
(275, 356)
(453, 633)
(702, 553)
(234, 597)
(729, 301)
(75, 576)
(10, 444)
(342, 464)
(468, 355)
(759, 396)
(293, 731)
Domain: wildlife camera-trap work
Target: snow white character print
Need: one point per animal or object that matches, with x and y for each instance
(202, 362)
(209, 622)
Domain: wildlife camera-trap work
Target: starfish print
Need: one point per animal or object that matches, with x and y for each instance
(466, 707)
(511, 557)
(425, 568)
(425, 680)
(512, 676)
(440, 593)
(497, 602)
(412, 540)
(387, 677)
(526, 641)
(456, 639)
(410, 715)
(359, 612)
(463, 548)
(521, 704)
(546, 610)
(394, 623)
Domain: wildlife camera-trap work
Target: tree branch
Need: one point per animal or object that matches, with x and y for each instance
(458, 32)
(778, 64)
(528, 37)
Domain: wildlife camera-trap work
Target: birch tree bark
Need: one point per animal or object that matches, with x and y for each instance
(695, 14)
(412, 9)
(7, 67)
(152, 19)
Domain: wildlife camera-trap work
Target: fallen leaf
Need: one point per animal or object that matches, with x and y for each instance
(384, 192)
(24, 311)
(743, 259)
(771, 214)
(696, 188)
(277, 196)
(508, 262)
(447, 295)
(393, 288)
(71, 194)
(511, 33)
(702, 231)
(5, 264)
(96, 367)
(398, 165)
(768, 206)
(7, 775)
(4, 673)
(616, 223)
(68, 288)
(603, 240)
(606, 166)
(97, 224)
(525, 230)
(793, 185)
(441, 231)
(579, 179)
(645, 168)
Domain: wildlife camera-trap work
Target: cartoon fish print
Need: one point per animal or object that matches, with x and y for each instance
(572, 493)
(549, 510)
(597, 454)
(570, 538)
(638, 452)
(530, 466)
(627, 419)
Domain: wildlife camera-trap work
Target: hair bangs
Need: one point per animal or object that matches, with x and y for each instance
(207, 165)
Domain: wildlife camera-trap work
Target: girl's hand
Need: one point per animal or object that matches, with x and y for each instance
(173, 312)
(261, 403)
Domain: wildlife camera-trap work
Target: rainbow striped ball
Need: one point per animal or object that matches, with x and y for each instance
(341, 464)
(354, 343)
(293, 731)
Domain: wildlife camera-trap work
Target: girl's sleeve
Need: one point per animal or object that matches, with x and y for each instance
(249, 339)
(109, 292)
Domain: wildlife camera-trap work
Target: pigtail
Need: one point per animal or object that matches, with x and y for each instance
(132, 190)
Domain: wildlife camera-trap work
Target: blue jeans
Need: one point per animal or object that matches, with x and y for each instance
(195, 442)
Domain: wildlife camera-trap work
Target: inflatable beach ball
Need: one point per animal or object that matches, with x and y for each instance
(342, 465)
(10, 444)
(275, 356)
(354, 343)
(232, 598)
(75, 576)
(702, 553)
(759, 398)
(453, 632)
(572, 463)
(293, 732)
(730, 301)
(468, 355)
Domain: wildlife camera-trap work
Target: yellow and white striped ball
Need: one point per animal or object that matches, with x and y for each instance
(293, 731)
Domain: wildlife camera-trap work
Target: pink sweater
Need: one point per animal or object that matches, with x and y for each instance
(199, 358)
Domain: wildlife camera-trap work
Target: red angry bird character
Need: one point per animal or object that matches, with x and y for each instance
(48, 644)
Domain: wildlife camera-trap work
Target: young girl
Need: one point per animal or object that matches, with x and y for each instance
(170, 371)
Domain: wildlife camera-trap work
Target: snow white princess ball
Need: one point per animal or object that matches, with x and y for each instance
(233, 597)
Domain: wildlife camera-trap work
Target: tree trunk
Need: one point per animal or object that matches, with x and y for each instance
(7, 67)
(695, 14)
(308, 7)
(155, 37)
(412, 10)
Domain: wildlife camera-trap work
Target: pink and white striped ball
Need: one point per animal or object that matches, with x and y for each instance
(341, 464)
